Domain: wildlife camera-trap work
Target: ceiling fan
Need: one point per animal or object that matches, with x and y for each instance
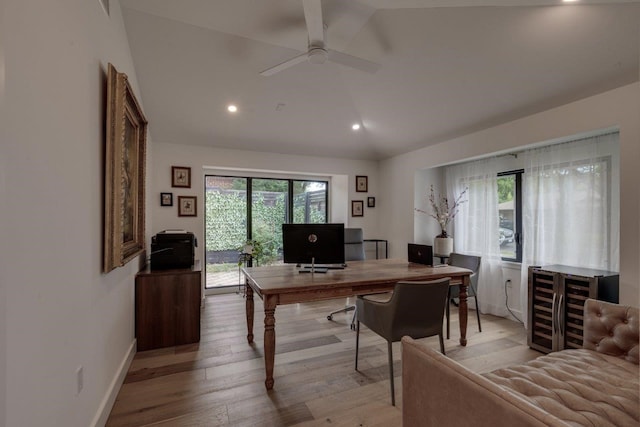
(317, 52)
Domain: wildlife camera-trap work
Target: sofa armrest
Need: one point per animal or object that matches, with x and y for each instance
(611, 329)
(437, 391)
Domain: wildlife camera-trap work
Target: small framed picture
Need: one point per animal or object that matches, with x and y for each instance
(371, 202)
(187, 206)
(362, 186)
(180, 176)
(357, 208)
(166, 199)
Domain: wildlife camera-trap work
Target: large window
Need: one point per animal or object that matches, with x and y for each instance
(510, 215)
(239, 209)
(561, 208)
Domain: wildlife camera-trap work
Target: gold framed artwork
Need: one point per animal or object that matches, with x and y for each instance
(357, 208)
(181, 176)
(362, 184)
(187, 206)
(125, 158)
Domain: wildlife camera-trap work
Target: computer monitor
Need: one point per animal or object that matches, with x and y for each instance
(315, 244)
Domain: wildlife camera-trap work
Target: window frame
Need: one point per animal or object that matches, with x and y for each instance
(289, 209)
(517, 232)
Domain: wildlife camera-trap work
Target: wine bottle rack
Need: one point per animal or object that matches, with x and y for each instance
(557, 295)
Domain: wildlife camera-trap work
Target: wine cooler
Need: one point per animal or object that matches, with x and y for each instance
(556, 299)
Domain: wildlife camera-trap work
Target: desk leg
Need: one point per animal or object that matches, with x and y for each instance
(463, 310)
(249, 306)
(269, 339)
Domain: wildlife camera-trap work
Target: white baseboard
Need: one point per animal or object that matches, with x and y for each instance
(102, 415)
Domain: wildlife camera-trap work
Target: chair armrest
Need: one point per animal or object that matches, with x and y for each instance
(611, 329)
(376, 315)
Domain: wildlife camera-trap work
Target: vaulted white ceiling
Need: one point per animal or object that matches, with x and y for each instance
(448, 67)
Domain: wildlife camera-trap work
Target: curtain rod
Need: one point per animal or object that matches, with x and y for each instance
(560, 142)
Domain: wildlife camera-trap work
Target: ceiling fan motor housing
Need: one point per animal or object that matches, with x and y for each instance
(317, 55)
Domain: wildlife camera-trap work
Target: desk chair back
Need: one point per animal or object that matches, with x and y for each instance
(472, 263)
(419, 309)
(353, 244)
(415, 309)
(353, 251)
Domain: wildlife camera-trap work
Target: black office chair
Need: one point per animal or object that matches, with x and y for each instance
(353, 251)
(415, 309)
(472, 263)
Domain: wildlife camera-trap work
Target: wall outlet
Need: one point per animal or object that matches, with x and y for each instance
(79, 379)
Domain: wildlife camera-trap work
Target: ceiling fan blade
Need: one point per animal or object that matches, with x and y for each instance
(313, 18)
(286, 64)
(353, 62)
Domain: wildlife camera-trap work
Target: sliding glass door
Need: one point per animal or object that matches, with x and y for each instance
(232, 222)
(309, 202)
(269, 210)
(226, 228)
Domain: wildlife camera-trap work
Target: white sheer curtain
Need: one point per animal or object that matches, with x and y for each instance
(571, 206)
(476, 227)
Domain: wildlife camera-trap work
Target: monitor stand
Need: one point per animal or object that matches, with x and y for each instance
(313, 269)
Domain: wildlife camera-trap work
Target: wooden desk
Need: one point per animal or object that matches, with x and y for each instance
(282, 284)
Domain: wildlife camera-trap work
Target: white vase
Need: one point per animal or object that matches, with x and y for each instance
(442, 246)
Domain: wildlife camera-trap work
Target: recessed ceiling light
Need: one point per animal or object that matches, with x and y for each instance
(569, 1)
(232, 108)
(355, 126)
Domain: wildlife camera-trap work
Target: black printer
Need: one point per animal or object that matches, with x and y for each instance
(172, 249)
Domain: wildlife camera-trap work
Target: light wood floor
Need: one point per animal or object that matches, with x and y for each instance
(220, 381)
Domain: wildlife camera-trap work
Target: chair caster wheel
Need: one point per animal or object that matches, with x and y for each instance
(329, 317)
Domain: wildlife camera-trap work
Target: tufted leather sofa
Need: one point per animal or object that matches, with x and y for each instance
(597, 385)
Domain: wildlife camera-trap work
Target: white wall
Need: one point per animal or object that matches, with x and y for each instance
(616, 108)
(60, 311)
(3, 248)
(342, 173)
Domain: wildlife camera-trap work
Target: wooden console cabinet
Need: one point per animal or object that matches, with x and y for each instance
(168, 307)
(556, 301)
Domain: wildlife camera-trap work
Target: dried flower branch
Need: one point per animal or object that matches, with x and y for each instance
(442, 212)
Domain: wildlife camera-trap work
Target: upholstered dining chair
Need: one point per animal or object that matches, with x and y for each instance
(415, 309)
(353, 251)
(472, 263)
